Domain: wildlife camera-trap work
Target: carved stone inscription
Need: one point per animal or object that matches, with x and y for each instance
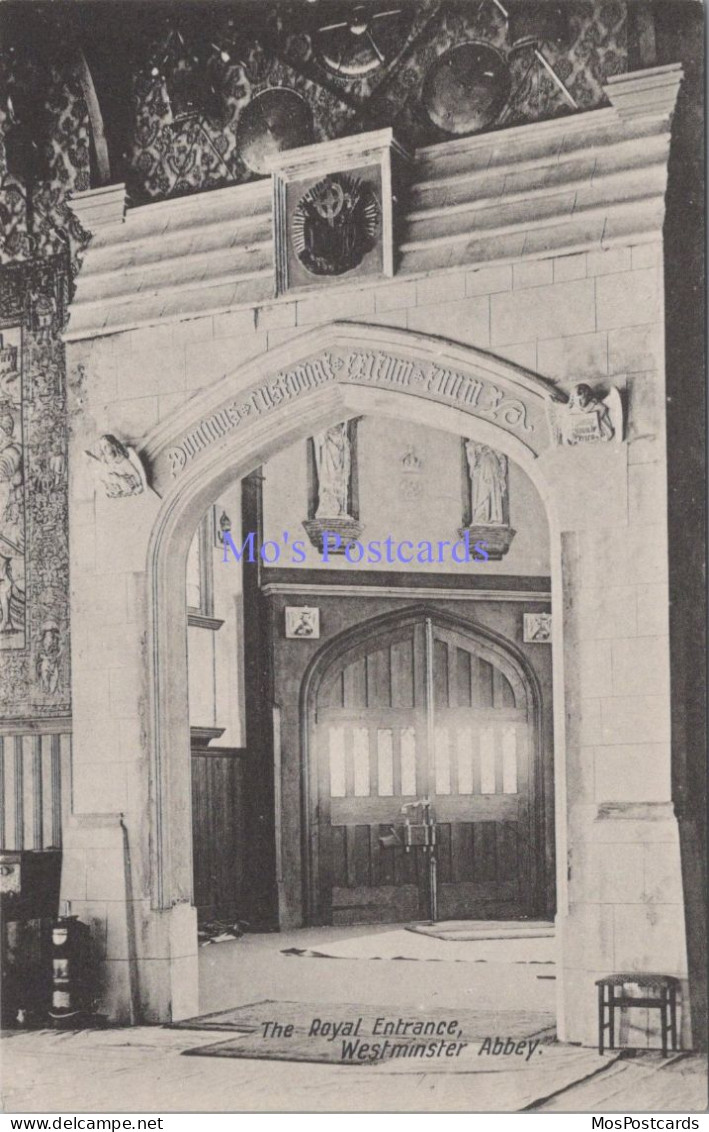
(477, 396)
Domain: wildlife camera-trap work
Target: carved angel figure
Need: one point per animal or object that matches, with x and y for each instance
(488, 477)
(333, 462)
(120, 470)
(588, 418)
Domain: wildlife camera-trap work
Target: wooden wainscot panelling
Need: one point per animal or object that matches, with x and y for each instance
(218, 827)
(34, 783)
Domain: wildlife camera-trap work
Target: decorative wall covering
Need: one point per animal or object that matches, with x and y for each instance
(169, 147)
(168, 157)
(44, 225)
(170, 153)
(34, 551)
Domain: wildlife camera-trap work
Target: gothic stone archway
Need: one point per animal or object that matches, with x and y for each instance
(222, 434)
(234, 426)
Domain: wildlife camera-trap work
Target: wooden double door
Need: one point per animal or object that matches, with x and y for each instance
(424, 710)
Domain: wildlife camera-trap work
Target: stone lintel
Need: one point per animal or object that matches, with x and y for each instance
(341, 153)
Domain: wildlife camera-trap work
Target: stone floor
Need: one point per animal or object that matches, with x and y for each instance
(255, 967)
(143, 1070)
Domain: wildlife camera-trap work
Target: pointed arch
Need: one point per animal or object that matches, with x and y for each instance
(337, 369)
(428, 380)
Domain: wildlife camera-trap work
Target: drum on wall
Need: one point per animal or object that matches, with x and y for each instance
(353, 42)
(467, 88)
(530, 24)
(276, 119)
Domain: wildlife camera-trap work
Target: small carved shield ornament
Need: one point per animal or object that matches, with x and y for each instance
(335, 224)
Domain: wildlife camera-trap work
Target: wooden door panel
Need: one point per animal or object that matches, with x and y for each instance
(366, 758)
(470, 902)
(379, 811)
(373, 725)
(382, 905)
(479, 852)
(371, 884)
(479, 870)
(483, 808)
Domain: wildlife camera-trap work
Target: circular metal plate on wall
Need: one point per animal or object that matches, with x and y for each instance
(363, 38)
(276, 119)
(467, 88)
(533, 23)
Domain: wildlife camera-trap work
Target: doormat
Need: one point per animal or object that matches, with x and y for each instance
(486, 929)
(349, 1034)
(413, 946)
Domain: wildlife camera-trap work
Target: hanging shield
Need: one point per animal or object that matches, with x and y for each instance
(467, 88)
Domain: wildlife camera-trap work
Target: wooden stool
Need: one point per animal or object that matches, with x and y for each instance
(667, 986)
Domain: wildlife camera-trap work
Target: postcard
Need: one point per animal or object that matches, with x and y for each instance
(352, 560)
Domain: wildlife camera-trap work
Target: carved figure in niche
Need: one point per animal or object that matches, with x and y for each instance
(12, 600)
(411, 485)
(588, 418)
(333, 463)
(222, 527)
(304, 627)
(488, 477)
(120, 471)
(46, 385)
(302, 621)
(48, 657)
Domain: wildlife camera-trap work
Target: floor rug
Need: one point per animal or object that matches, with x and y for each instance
(350, 1034)
(486, 929)
(409, 945)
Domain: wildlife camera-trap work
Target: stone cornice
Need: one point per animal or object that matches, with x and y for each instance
(574, 183)
(52, 725)
(341, 153)
(327, 589)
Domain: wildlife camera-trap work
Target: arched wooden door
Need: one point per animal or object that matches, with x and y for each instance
(424, 709)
